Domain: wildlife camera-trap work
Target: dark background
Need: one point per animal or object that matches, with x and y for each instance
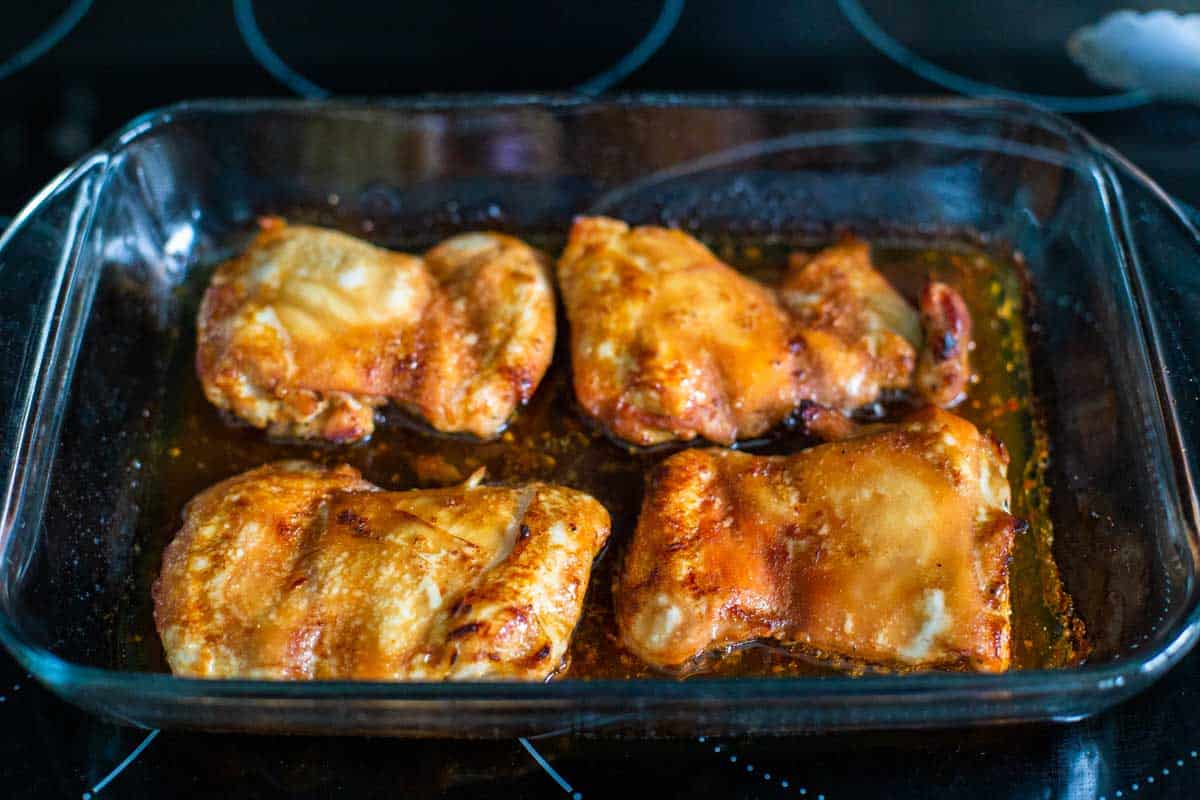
(127, 56)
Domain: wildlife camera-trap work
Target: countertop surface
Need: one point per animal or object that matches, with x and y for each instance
(71, 72)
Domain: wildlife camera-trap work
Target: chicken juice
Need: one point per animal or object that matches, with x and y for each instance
(549, 440)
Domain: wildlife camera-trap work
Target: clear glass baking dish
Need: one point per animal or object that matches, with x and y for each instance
(91, 271)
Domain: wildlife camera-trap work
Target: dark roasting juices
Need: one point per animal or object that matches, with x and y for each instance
(550, 441)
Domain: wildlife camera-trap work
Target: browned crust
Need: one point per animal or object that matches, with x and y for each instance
(732, 547)
(728, 358)
(474, 345)
(295, 571)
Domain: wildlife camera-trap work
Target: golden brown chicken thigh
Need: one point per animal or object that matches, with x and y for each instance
(667, 342)
(890, 548)
(855, 336)
(310, 330)
(295, 571)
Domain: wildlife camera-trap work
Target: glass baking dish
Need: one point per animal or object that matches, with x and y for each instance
(91, 273)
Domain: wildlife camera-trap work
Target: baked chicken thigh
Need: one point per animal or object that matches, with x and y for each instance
(310, 330)
(890, 548)
(854, 336)
(296, 571)
(668, 342)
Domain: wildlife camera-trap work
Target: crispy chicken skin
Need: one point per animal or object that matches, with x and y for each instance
(855, 335)
(890, 548)
(943, 369)
(667, 342)
(310, 330)
(296, 571)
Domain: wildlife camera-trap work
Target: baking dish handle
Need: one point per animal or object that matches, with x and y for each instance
(38, 252)
(1164, 245)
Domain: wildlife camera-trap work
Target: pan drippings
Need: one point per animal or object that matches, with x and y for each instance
(549, 440)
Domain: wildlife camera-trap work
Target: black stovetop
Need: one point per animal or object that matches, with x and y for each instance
(108, 60)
